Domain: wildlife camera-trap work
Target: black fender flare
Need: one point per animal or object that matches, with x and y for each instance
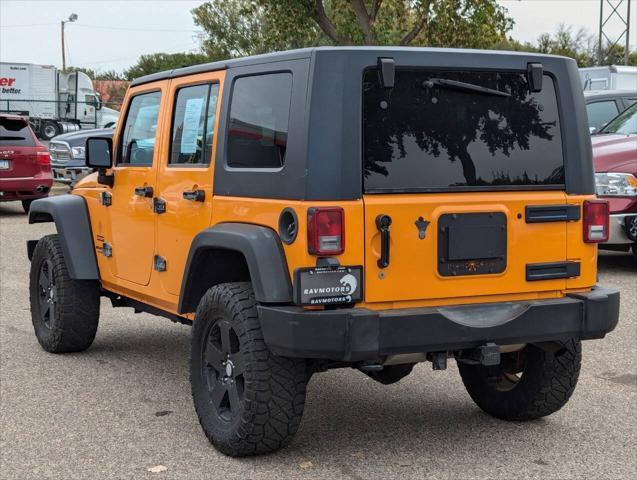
(262, 249)
(71, 217)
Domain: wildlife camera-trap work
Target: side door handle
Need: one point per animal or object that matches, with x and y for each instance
(146, 192)
(194, 195)
(382, 224)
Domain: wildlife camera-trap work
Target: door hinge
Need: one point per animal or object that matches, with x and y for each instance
(160, 263)
(107, 250)
(106, 199)
(159, 205)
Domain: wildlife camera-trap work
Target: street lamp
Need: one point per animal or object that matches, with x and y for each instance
(72, 18)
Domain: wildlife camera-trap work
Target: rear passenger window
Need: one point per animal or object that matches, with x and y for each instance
(137, 145)
(259, 114)
(15, 133)
(193, 125)
(600, 113)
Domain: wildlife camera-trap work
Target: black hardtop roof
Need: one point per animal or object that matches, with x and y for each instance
(309, 52)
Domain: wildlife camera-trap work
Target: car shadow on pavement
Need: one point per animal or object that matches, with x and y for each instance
(12, 209)
(616, 262)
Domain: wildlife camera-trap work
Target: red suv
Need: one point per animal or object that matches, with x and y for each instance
(615, 157)
(25, 164)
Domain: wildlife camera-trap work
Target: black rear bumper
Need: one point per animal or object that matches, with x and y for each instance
(358, 334)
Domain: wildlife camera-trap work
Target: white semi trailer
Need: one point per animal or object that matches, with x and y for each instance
(54, 101)
(610, 77)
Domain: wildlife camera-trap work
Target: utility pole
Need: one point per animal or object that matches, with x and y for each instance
(72, 18)
(617, 11)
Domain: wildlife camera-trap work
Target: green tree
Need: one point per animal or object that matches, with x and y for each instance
(579, 45)
(245, 27)
(109, 75)
(158, 62)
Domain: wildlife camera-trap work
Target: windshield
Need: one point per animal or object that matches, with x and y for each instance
(440, 130)
(625, 123)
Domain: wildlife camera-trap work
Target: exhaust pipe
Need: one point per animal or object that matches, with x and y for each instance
(42, 189)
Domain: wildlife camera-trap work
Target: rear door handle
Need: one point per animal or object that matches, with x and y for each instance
(194, 195)
(382, 224)
(146, 192)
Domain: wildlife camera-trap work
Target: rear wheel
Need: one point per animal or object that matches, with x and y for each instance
(248, 400)
(26, 205)
(528, 384)
(64, 312)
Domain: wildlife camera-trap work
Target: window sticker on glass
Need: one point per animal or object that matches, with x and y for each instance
(192, 114)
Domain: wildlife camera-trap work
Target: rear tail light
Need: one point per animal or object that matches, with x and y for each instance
(596, 221)
(44, 158)
(326, 231)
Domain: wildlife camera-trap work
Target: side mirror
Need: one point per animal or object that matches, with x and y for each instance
(99, 156)
(592, 130)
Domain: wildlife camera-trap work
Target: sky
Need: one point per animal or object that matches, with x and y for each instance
(113, 34)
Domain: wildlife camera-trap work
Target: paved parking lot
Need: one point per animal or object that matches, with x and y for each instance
(124, 406)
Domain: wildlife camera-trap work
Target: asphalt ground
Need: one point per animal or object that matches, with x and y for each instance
(124, 406)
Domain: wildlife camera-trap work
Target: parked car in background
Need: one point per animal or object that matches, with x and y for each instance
(604, 105)
(68, 154)
(615, 157)
(25, 165)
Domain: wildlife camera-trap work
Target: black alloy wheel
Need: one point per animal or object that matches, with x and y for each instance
(47, 293)
(224, 366)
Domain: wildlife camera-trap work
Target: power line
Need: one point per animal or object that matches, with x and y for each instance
(134, 29)
(104, 27)
(30, 25)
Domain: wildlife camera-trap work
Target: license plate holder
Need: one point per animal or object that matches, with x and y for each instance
(338, 285)
(4, 164)
(472, 243)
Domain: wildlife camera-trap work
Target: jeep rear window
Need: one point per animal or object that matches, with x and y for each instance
(435, 131)
(15, 133)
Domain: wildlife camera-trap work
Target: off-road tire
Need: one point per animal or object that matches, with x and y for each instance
(26, 205)
(547, 382)
(73, 325)
(270, 391)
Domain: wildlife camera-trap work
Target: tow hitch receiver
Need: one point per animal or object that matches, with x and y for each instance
(487, 355)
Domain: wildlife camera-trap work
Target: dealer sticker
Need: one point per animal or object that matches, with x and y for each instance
(328, 285)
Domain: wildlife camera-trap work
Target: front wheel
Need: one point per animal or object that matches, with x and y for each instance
(528, 384)
(65, 312)
(248, 400)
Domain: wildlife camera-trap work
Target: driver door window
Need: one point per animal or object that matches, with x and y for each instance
(137, 144)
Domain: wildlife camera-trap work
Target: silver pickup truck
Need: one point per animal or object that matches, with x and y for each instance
(68, 160)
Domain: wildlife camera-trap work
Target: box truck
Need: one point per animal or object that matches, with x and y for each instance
(54, 101)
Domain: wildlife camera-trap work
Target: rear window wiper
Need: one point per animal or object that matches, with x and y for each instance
(466, 87)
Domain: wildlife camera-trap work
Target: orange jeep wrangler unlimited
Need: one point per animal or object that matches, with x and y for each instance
(341, 207)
